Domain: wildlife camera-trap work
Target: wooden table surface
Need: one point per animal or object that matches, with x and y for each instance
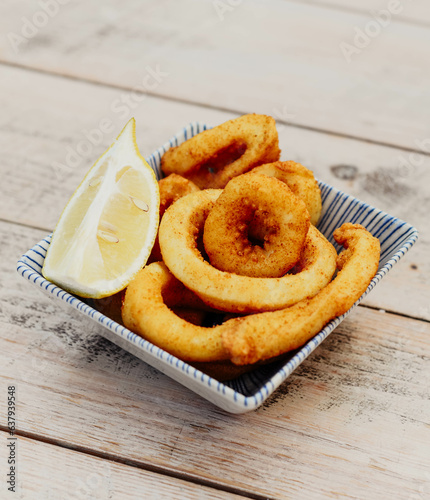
(349, 85)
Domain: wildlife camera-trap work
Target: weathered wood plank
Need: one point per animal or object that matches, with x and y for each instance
(46, 152)
(256, 56)
(46, 471)
(352, 421)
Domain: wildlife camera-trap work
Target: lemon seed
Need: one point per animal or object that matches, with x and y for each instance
(140, 204)
(109, 237)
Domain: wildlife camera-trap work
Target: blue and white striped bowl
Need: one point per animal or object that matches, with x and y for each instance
(250, 390)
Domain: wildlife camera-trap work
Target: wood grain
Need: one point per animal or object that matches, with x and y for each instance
(52, 472)
(353, 420)
(41, 165)
(416, 12)
(257, 56)
(355, 413)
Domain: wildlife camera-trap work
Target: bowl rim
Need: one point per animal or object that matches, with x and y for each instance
(222, 394)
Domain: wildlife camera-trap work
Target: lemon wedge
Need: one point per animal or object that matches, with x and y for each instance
(107, 229)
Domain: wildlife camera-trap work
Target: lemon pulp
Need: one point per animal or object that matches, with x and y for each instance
(107, 229)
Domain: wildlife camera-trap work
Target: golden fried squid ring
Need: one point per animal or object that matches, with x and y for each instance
(171, 189)
(262, 336)
(180, 231)
(146, 311)
(267, 204)
(300, 180)
(162, 310)
(213, 157)
(252, 338)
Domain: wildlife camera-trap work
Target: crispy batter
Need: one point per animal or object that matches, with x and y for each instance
(267, 204)
(179, 234)
(265, 335)
(254, 338)
(213, 157)
(300, 180)
(146, 311)
(261, 225)
(162, 310)
(171, 189)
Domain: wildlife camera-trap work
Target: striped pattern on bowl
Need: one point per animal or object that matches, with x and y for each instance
(250, 390)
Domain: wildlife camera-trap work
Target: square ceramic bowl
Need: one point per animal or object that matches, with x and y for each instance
(250, 390)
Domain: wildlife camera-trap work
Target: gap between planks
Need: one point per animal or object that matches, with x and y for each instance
(395, 313)
(139, 465)
(23, 224)
(202, 105)
(304, 69)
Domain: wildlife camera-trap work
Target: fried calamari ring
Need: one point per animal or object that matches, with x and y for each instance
(254, 338)
(180, 233)
(262, 336)
(156, 308)
(171, 189)
(213, 157)
(146, 311)
(300, 180)
(267, 204)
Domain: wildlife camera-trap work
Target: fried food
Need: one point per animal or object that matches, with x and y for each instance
(162, 310)
(262, 336)
(279, 216)
(300, 180)
(171, 189)
(149, 300)
(147, 311)
(213, 157)
(246, 276)
(180, 233)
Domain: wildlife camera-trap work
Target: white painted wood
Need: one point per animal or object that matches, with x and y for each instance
(37, 140)
(414, 12)
(353, 420)
(48, 472)
(256, 56)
